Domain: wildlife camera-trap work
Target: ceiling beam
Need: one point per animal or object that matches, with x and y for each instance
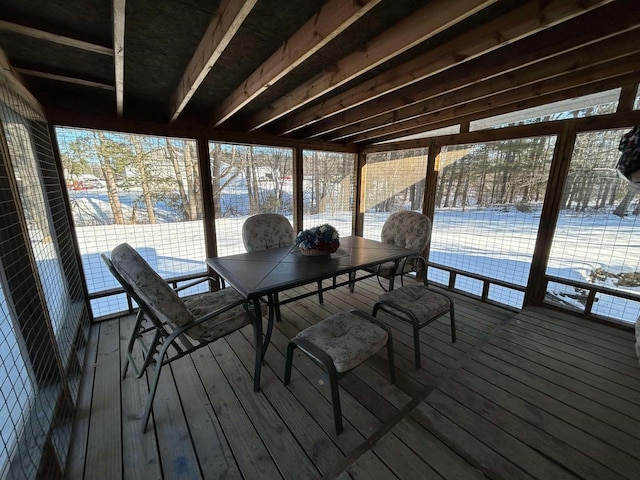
(548, 43)
(570, 85)
(118, 52)
(54, 37)
(544, 69)
(230, 16)
(525, 20)
(334, 17)
(434, 18)
(65, 78)
(9, 74)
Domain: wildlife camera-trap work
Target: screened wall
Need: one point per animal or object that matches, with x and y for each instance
(247, 180)
(328, 190)
(596, 246)
(392, 181)
(44, 322)
(487, 210)
(139, 189)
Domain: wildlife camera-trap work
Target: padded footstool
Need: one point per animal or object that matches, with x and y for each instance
(339, 344)
(418, 306)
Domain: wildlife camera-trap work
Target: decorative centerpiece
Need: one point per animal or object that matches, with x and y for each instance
(320, 240)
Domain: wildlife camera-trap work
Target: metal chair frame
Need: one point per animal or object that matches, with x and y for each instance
(164, 336)
(324, 361)
(407, 316)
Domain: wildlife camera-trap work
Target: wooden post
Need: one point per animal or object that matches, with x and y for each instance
(358, 214)
(536, 284)
(298, 177)
(208, 210)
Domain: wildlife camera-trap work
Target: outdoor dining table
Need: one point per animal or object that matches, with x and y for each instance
(264, 274)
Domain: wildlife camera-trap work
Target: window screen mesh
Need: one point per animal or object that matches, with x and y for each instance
(597, 238)
(392, 181)
(138, 189)
(328, 189)
(488, 203)
(247, 180)
(44, 319)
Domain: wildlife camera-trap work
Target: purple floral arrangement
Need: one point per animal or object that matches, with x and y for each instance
(323, 237)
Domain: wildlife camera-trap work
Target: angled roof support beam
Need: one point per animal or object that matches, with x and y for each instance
(334, 17)
(118, 7)
(434, 18)
(231, 15)
(64, 78)
(9, 74)
(55, 38)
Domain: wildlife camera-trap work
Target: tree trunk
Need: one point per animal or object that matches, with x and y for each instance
(621, 209)
(144, 180)
(110, 180)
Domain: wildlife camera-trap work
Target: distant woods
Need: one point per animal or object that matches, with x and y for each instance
(145, 180)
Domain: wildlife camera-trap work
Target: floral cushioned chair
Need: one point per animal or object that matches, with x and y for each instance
(415, 304)
(269, 230)
(638, 338)
(168, 327)
(265, 231)
(406, 229)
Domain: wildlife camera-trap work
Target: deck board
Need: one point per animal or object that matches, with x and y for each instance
(521, 395)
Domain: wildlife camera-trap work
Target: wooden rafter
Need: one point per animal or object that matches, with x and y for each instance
(542, 69)
(570, 85)
(118, 52)
(432, 19)
(524, 21)
(9, 74)
(333, 18)
(65, 78)
(54, 37)
(219, 33)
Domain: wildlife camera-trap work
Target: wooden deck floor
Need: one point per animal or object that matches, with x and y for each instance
(535, 394)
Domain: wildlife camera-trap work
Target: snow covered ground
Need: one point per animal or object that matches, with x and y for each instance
(493, 242)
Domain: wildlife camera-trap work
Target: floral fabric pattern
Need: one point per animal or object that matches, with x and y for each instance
(407, 229)
(265, 231)
(424, 303)
(638, 338)
(169, 307)
(347, 338)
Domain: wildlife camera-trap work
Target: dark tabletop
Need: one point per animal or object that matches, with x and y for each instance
(259, 273)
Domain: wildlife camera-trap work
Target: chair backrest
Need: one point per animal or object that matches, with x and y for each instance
(267, 230)
(149, 290)
(407, 229)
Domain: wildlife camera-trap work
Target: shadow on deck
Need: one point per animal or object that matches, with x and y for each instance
(535, 394)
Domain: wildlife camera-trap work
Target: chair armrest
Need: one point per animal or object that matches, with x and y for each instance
(194, 283)
(204, 318)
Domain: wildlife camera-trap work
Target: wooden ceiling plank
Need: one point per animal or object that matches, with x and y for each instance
(223, 27)
(562, 38)
(118, 10)
(334, 17)
(526, 20)
(546, 69)
(567, 86)
(434, 18)
(9, 74)
(65, 79)
(55, 38)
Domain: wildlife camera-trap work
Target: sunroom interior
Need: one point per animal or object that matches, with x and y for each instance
(166, 125)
